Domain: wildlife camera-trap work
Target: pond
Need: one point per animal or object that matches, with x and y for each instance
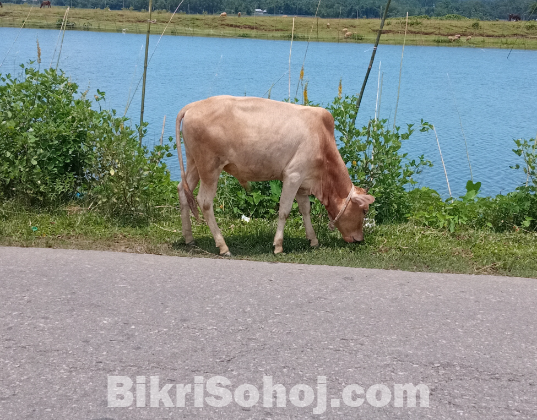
(490, 93)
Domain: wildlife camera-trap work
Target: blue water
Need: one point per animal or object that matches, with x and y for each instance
(494, 91)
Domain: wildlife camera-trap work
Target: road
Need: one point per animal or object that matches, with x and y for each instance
(85, 331)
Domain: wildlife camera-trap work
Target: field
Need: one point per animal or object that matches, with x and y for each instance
(484, 34)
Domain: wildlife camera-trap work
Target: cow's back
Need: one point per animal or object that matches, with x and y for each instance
(255, 139)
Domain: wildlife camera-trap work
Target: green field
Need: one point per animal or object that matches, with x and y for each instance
(484, 34)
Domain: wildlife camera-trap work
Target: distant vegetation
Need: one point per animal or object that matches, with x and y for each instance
(472, 9)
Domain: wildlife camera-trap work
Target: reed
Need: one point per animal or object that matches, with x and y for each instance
(400, 72)
(145, 72)
(38, 51)
(63, 36)
(162, 133)
(443, 164)
(290, 50)
(534, 147)
(17, 37)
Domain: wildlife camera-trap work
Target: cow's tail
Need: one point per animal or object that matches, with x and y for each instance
(189, 196)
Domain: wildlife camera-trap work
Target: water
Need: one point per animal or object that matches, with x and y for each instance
(494, 94)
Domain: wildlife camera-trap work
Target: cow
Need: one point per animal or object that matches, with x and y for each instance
(1, 4)
(223, 14)
(457, 36)
(239, 14)
(257, 139)
(328, 25)
(45, 4)
(468, 38)
(348, 34)
(514, 18)
(451, 38)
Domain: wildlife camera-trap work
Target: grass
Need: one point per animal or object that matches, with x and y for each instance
(501, 34)
(395, 247)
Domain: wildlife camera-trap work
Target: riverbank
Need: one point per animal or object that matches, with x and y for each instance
(484, 34)
(390, 246)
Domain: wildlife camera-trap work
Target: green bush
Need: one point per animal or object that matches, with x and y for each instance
(374, 159)
(55, 147)
(260, 201)
(503, 212)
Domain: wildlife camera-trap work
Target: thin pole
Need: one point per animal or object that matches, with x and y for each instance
(528, 174)
(162, 134)
(443, 164)
(400, 71)
(378, 89)
(145, 70)
(359, 100)
(64, 23)
(290, 50)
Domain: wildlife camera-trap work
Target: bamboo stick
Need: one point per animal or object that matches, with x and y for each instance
(359, 100)
(145, 71)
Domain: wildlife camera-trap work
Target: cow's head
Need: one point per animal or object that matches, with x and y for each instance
(351, 222)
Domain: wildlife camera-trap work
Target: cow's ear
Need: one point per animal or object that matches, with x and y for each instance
(363, 199)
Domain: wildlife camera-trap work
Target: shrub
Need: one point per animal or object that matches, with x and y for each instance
(56, 148)
(500, 213)
(374, 159)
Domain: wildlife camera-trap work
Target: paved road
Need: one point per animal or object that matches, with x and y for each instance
(72, 321)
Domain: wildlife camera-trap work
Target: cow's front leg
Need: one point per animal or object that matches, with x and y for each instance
(206, 195)
(289, 190)
(304, 208)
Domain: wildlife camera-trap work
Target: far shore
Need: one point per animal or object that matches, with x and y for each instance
(420, 31)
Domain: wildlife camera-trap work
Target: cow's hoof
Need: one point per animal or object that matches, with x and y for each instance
(278, 250)
(314, 243)
(191, 243)
(226, 254)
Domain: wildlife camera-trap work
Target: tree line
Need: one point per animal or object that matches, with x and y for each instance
(473, 9)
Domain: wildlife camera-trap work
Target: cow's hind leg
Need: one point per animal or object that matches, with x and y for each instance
(192, 179)
(206, 195)
(290, 187)
(304, 207)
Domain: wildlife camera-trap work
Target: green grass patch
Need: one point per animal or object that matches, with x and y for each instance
(390, 246)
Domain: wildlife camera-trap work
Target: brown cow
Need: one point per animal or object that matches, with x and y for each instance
(257, 139)
(45, 4)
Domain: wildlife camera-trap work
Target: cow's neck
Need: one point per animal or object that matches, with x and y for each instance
(336, 183)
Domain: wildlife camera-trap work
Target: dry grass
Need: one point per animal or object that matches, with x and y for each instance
(420, 32)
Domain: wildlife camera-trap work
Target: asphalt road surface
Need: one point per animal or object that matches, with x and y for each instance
(101, 335)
